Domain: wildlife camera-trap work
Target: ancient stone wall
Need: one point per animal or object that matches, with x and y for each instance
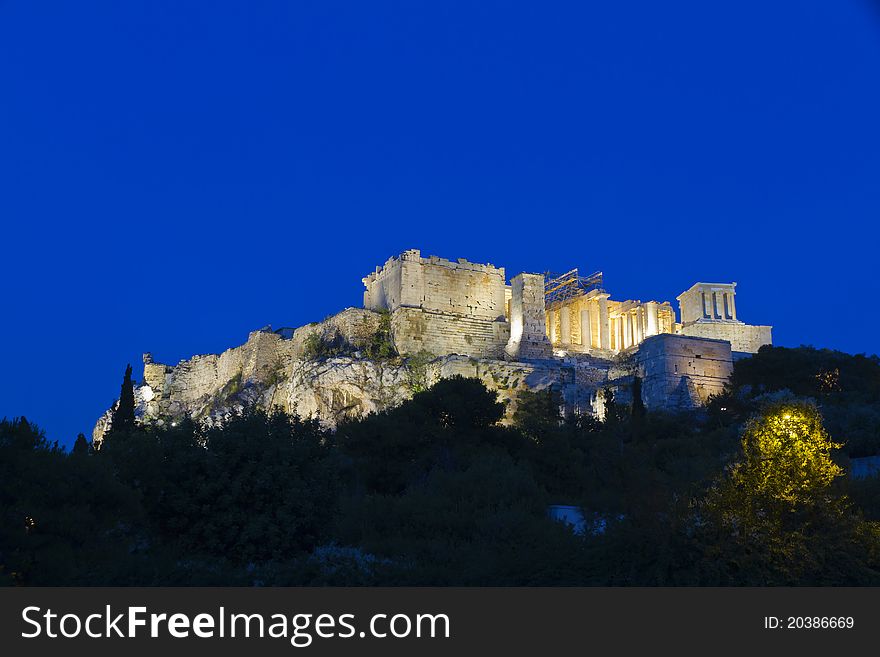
(384, 287)
(743, 338)
(682, 372)
(259, 356)
(461, 287)
(155, 373)
(356, 326)
(528, 336)
(416, 330)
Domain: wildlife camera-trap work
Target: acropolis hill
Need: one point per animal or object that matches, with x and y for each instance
(429, 318)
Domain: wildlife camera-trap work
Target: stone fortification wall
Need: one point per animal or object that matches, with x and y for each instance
(437, 284)
(355, 326)
(528, 337)
(682, 372)
(744, 338)
(416, 330)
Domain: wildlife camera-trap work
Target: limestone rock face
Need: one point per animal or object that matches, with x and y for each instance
(142, 395)
(341, 387)
(211, 387)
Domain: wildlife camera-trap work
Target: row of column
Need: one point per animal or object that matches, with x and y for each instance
(628, 329)
(636, 324)
(586, 324)
(722, 303)
(625, 330)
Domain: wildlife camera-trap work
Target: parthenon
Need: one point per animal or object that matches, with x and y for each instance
(589, 321)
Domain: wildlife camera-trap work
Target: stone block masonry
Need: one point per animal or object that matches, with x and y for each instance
(416, 330)
(472, 323)
(681, 372)
(743, 338)
(436, 284)
(442, 307)
(528, 335)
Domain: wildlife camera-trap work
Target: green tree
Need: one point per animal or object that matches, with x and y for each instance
(777, 516)
(538, 412)
(440, 428)
(460, 402)
(263, 488)
(64, 520)
(786, 459)
(380, 344)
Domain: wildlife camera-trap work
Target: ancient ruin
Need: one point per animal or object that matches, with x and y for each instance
(426, 318)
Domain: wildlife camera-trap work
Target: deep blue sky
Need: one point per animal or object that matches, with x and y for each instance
(175, 174)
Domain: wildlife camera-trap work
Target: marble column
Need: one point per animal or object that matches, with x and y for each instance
(730, 297)
(551, 316)
(653, 318)
(604, 327)
(586, 329)
(618, 334)
(565, 325)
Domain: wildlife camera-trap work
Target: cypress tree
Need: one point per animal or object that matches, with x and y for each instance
(123, 415)
(81, 446)
(637, 410)
(638, 405)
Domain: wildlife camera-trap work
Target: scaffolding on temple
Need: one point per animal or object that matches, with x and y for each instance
(560, 288)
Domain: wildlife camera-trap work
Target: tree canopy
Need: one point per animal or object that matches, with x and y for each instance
(442, 490)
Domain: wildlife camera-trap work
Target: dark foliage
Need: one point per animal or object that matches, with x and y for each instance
(439, 492)
(123, 414)
(846, 388)
(81, 446)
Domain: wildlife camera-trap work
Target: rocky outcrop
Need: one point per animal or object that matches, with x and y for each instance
(289, 370)
(347, 367)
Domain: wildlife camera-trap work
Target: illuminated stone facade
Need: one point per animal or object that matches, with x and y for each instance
(708, 310)
(459, 307)
(459, 317)
(440, 306)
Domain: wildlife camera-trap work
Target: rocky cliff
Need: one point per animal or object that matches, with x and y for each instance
(345, 366)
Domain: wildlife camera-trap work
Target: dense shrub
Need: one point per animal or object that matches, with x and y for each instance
(440, 491)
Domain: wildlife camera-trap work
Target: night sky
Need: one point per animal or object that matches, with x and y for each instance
(176, 174)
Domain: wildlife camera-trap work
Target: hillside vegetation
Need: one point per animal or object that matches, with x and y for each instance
(751, 490)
